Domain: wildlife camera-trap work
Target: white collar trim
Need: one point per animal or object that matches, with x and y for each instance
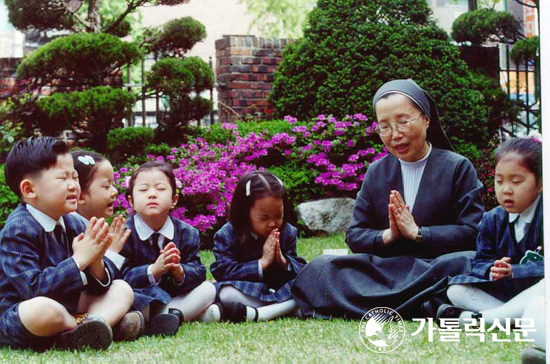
(144, 231)
(44, 220)
(526, 215)
(417, 163)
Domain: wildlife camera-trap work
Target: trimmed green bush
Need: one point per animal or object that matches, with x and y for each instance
(486, 25)
(525, 49)
(97, 111)
(79, 59)
(176, 37)
(181, 81)
(123, 143)
(351, 47)
(8, 199)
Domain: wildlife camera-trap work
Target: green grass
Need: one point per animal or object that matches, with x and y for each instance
(282, 341)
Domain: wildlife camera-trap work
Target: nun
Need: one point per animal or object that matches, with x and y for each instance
(414, 222)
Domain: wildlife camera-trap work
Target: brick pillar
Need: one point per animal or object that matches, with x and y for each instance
(8, 66)
(244, 70)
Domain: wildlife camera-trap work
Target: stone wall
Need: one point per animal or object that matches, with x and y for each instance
(245, 66)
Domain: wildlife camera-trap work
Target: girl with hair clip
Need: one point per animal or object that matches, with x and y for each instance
(97, 196)
(256, 260)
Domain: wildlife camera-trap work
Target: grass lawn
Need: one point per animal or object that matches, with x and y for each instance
(284, 340)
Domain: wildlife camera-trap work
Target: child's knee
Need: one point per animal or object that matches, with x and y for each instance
(122, 290)
(208, 291)
(43, 311)
(229, 294)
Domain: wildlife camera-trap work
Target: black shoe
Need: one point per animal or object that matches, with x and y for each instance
(165, 324)
(533, 355)
(130, 327)
(428, 309)
(234, 312)
(91, 331)
(446, 311)
(177, 313)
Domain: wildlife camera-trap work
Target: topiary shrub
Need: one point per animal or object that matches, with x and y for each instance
(525, 49)
(176, 37)
(351, 47)
(181, 81)
(486, 25)
(123, 143)
(96, 111)
(79, 59)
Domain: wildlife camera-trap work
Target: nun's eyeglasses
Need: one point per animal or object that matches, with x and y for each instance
(385, 129)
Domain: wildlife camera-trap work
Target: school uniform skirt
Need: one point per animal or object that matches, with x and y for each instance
(274, 287)
(503, 289)
(349, 286)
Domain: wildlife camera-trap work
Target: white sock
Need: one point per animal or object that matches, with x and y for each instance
(211, 314)
(194, 303)
(270, 312)
(250, 313)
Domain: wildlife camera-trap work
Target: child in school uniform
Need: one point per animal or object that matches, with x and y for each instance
(56, 285)
(162, 263)
(97, 196)
(509, 260)
(256, 260)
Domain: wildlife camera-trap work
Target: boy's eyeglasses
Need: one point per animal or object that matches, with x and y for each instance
(385, 129)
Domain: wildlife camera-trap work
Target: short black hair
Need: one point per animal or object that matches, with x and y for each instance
(262, 184)
(30, 157)
(86, 170)
(528, 149)
(164, 167)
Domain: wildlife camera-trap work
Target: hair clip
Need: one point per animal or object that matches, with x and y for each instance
(248, 188)
(87, 160)
(277, 178)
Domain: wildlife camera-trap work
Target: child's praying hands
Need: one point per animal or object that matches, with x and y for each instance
(119, 233)
(269, 249)
(502, 268)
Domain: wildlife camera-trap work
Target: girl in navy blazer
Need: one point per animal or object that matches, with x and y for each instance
(509, 258)
(256, 260)
(162, 263)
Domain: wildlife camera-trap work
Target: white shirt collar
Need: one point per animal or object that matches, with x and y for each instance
(80, 217)
(420, 162)
(44, 220)
(526, 215)
(144, 231)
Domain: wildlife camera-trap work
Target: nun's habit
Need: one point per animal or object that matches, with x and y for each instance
(400, 275)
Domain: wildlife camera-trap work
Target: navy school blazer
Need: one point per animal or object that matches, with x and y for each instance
(239, 262)
(33, 263)
(140, 254)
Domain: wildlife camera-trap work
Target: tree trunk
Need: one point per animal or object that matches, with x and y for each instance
(93, 16)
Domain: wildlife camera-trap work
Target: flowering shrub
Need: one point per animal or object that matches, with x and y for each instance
(322, 158)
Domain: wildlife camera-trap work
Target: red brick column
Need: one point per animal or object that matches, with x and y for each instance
(244, 70)
(8, 66)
